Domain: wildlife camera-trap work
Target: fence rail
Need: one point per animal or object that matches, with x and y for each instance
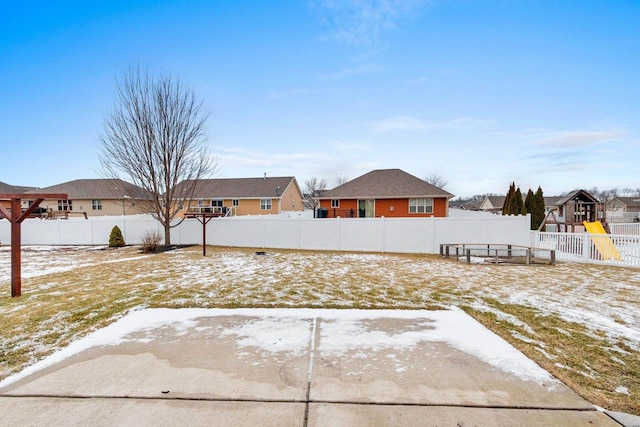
(399, 235)
(611, 249)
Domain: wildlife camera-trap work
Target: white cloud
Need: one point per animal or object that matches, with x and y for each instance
(354, 71)
(361, 23)
(408, 123)
(239, 157)
(576, 138)
(353, 146)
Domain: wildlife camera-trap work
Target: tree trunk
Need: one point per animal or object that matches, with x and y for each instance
(167, 234)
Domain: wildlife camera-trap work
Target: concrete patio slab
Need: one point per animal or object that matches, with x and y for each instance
(31, 411)
(286, 367)
(199, 360)
(339, 415)
(397, 361)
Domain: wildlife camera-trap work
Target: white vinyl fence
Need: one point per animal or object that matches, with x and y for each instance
(630, 228)
(612, 249)
(402, 235)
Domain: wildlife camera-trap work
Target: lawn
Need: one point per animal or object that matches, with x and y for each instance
(580, 322)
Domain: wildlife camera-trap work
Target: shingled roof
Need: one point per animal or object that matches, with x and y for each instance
(13, 189)
(242, 188)
(629, 201)
(94, 189)
(577, 194)
(385, 184)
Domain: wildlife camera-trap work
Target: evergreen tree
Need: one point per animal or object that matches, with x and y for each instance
(539, 210)
(514, 207)
(519, 204)
(530, 207)
(506, 207)
(116, 239)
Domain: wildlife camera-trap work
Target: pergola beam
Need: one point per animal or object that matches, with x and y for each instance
(15, 217)
(203, 218)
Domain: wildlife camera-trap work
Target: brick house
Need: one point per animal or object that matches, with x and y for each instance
(385, 193)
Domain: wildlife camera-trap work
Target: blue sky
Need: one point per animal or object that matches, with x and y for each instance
(481, 93)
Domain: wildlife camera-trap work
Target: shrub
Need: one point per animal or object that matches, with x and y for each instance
(116, 240)
(150, 241)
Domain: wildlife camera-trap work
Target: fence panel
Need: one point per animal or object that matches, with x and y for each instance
(411, 235)
(321, 234)
(362, 234)
(627, 229)
(611, 249)
(408, 236)
(284, 234)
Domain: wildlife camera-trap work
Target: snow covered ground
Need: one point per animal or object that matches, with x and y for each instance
(601, 298)
(73, 285)
(43, 260)
(289, 330)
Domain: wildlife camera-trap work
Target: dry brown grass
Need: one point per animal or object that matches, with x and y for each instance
(558, 316)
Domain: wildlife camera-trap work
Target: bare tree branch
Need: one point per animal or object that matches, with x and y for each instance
(155, 139)
(313, 187)
(341, 179)
(436, 180)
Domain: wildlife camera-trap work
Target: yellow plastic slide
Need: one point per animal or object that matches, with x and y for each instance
(603, 244)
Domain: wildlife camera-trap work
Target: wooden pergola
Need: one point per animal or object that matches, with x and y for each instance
(203, 218)
(15, 217)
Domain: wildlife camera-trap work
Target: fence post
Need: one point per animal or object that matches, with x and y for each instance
(586, 247)
(384, 232)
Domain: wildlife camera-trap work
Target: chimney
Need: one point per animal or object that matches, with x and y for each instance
(265, 175)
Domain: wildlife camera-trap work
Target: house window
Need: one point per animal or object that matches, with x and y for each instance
(420, 205)
(65, 205)
(335, 203)
(235, 202)
(96, 204)
(265, 204)
(216, 203)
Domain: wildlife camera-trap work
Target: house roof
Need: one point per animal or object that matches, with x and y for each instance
(496, 201)
(385, 183)
(551, 200)
(459, 204)
(577, 195)
(94, 189)
(13, 189)
(629, 201)
(7, 189)
(239, 188)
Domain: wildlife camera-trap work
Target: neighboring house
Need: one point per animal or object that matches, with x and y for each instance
(388, 193)
(11, 189)
(92, 197)
(462, 204)
(573, 209)
(7, 189)
(624, 209)
(246, 196)
(492, 204)
(550, 203)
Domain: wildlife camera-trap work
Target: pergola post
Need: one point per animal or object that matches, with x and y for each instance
(16, 279)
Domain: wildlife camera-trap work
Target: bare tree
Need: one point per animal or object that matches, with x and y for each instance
(341, 179)
(313, 187)
(155, 139)
(436, 180)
